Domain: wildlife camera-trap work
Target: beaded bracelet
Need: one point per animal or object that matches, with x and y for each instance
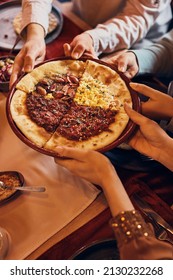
(129, 225)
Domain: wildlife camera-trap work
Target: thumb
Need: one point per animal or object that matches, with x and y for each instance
(135, 116)
(78, 51)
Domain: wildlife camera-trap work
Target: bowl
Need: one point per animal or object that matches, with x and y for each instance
(6, 66)
(127, 132)
(98, 250)
(13, 179)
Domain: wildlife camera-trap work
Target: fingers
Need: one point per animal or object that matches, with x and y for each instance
(29, 62)
(72, 153)
(78, 51)
(131, 72)
(126, 63)
(17, 68)
(122, 63)
(145, 90)
(67, 49)
(135, 116)
(75, 52)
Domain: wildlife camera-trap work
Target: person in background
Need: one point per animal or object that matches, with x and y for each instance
(135, 238)
(118, 25)
(138, 19)
(35, 22)
(156, 59)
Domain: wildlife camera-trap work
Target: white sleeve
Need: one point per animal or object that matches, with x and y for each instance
(129, 26)
(36, 11)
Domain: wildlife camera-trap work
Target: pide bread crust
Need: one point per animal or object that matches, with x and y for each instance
(99, 86)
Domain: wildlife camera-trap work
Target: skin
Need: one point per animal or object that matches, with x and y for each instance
(150, 140)
(126, 63)
(159, 105)
(81, 45)
(32, 53)
(102, 173)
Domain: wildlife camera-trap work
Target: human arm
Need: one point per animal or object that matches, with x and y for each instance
(31, 53)
(33, 30)
(141, 243)
(129, 26)
(159, 106)
(35, 11)
(151, 139)
(82, 44)
(156, 59)
(102, 173)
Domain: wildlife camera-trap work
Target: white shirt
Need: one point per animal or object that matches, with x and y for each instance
(125, 21)
(36, 11)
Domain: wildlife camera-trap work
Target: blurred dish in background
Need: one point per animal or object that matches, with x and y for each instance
(10, 178)
(11, 10)
(98, 250)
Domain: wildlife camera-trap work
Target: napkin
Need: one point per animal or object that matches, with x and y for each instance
(32, 218)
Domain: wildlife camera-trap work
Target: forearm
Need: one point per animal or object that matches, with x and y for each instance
(128, 27)
(34, 31)
(115, 194)
(165, 156)
(158, 58)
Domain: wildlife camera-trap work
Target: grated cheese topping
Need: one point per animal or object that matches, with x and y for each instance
(92, 92)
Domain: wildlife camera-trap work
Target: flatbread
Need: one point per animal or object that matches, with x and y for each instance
(99, 87)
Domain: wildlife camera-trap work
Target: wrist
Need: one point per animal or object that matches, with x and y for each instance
(129, 225)
(116, 196)
(35, 30)
(165, 154)
(89, 38)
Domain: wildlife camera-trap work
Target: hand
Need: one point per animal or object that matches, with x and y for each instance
(32, 53)
(81, 45)
(89, 165)
(150, 139)
(159, 105)
(97, 169)
(126, 63)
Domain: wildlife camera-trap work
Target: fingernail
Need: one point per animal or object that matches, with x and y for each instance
(121, 69)
(76, 55)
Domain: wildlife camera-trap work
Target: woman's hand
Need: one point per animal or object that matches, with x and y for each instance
(126, 63)
(150, 139)
(89, 165)
(81, 45)
(32, 53)
(159, 105)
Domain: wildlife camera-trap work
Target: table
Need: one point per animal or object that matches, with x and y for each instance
(92, 224)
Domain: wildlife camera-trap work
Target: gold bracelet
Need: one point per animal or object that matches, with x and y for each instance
(129, 225)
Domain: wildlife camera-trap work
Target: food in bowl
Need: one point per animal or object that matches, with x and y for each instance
(6, 67)
(12, 179)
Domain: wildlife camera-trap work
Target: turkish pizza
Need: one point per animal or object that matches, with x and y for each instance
(71, 102)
